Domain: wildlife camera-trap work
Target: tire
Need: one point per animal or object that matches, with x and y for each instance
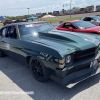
(38, 70)
(2, 54)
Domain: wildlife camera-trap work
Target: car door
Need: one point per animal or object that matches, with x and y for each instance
(65, 27)
(9, 41)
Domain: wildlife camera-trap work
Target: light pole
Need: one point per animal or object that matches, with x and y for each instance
(70, 7)
(28, 10)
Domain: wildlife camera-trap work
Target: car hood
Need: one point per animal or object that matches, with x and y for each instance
(65, 42)
(94, 28)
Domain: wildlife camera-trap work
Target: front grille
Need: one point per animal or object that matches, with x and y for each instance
(85, 54)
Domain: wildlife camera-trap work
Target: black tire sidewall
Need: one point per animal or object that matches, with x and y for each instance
(45, 72)
(2, 54)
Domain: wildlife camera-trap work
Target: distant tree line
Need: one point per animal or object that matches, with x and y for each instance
(17, 17)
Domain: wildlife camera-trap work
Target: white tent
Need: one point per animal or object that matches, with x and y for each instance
(48, 16)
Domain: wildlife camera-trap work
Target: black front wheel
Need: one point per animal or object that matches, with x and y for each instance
(38, 70)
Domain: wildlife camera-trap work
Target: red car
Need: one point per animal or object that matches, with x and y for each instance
(79, 26)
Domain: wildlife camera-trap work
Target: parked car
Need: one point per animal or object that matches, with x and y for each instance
(19, 20)
(2, 21)
(64, 57)
(79, 26)
(92, 19)
(8, 22)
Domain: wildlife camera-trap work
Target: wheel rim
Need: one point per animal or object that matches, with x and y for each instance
(37, 68)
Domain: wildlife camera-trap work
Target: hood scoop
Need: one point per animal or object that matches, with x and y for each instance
(54, 36)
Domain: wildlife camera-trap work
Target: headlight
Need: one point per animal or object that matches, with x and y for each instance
(68, 59)
(64, 61)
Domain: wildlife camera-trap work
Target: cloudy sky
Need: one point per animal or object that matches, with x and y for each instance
(19, 7)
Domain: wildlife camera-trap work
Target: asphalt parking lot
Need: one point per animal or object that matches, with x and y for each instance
(16, 76)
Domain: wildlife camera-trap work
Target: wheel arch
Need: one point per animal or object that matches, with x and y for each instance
(28, 58)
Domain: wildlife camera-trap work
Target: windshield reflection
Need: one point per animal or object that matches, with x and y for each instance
(30, 30)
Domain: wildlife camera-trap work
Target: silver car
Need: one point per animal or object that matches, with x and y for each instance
(92, 19)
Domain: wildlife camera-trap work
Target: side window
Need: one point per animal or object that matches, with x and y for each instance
(9, 32)
(89, 19)
(3, 32)
(0, 32)
(85, 19)
(66, 25)
(12, 32)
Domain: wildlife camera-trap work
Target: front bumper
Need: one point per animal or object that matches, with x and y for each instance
(75, 74)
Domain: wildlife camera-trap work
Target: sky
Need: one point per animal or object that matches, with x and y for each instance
(19, 7)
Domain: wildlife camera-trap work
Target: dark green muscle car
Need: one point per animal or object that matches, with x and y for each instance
(64, 57)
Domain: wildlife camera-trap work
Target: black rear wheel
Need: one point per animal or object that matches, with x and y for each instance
(38, 70)
(2, 54)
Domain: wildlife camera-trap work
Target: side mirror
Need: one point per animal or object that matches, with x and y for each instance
(70, 29)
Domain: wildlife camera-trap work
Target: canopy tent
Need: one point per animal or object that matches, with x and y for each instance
(32, 18)
(48, 16)
(3, 18)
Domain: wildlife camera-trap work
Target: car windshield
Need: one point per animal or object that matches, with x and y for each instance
(83, 24)
(30, 30)
(96, 18)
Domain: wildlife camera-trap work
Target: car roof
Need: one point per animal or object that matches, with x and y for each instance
(73, 21)
(23, 23)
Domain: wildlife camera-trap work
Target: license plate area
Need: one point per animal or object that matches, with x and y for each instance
(93, 67)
